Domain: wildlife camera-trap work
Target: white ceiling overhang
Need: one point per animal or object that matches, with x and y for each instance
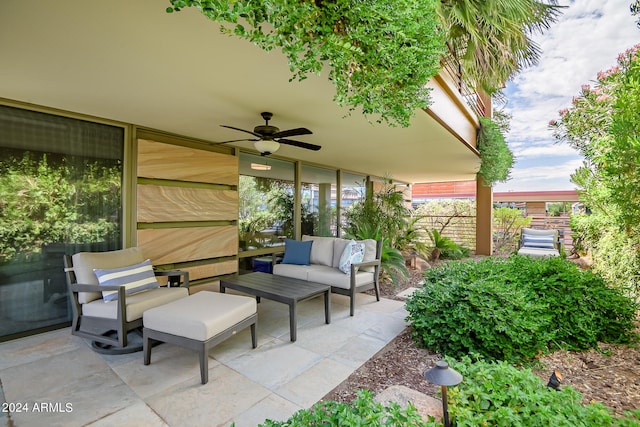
(130, 61)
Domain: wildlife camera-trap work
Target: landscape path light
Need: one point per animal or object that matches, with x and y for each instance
(444, 376)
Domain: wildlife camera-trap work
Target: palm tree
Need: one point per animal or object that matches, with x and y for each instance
(491, 37)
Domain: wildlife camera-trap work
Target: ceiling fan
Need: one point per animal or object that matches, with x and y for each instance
(268, 138)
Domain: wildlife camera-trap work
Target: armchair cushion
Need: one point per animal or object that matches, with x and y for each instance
(137, 304)
(135, 278)
(85, 262)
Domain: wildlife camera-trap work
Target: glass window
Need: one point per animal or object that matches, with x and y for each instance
(60, 193)
(319, 202)
(353, 189)
(266, 201)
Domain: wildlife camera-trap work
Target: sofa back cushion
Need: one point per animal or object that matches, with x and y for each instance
(322, 251)
(85, 262)
(339, 245)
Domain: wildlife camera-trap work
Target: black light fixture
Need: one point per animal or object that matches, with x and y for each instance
(444, 376)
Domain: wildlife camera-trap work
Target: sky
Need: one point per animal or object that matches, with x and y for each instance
(586, 39)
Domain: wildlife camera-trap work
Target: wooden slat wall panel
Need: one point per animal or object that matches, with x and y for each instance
(166, 161)
(175, 245)
(212, 270)
(162, 204)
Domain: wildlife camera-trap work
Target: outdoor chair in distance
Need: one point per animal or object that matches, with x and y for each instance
(539, 243)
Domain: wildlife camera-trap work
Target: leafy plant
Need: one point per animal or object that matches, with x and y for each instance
(363, 411)
(498, 394)
(445, 247)
(454, 218)
(496, 158)
(380, 54)
(392, 261)
(507, 224)
(512, 309)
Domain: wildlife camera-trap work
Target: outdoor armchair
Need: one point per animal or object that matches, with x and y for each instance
(110, 291)
(539, 243)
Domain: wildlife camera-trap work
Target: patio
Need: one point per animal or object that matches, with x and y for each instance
(245, 386)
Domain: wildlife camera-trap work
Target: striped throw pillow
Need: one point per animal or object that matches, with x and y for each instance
(535, 241)
(135, 278)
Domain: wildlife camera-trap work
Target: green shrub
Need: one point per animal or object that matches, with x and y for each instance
(498, 394)
(512, 309)
(363, 411)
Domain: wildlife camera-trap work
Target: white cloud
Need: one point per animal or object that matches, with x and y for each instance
(547, 150)
(587, 39)
(541, 178)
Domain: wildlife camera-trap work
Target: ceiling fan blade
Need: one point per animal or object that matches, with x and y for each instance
(300, 144)
(235, 140)
(292, 132)
(242, 130)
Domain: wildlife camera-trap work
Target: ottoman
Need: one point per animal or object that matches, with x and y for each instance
(199, 322)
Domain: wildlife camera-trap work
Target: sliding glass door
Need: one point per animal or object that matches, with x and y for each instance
(60, 193)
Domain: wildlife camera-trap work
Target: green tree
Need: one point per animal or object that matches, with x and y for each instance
(602, 124)
(43, 201)
(507, 223)
(496, 157)
(380, 53)
(491, 38)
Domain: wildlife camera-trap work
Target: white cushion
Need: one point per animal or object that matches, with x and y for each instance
(370, 247)
(294, 271)
(353, 253)
(321, 250)
(136, 303)
(538, 252)
(334, 277)
(201, 315)
(85, 262)
(338, 250)
(135, 278)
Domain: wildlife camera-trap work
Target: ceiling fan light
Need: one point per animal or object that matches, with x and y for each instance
(267, 146)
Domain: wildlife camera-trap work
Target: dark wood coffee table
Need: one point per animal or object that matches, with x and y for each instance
(281, 289)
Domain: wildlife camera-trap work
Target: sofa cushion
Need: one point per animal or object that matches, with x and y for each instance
(136, 303)
(334, 277)
(300, 272)
(134, 278)
(297, 252)
(370, 247)
(85, 262)
(353, 253)
(322, 249)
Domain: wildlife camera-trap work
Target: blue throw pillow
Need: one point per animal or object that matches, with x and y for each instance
(135, 278)
(297, 252)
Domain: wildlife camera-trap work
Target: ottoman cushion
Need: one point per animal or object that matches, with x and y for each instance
(200, 316)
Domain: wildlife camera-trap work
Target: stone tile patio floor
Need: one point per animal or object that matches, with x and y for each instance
(80, 387)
